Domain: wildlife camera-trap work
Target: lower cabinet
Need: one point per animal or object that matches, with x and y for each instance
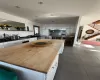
(52, 71)
(32, 39)
(61, 49)
(12, 43)
(1, 45)
(17, 42)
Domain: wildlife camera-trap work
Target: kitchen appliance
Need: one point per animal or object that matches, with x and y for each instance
(58, 34)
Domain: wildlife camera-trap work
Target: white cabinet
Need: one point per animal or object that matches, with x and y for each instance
(23, 73)
(7, 44)
(12, 43)
(32, 39)
(1, 45)
(52, 71)
(61, 49)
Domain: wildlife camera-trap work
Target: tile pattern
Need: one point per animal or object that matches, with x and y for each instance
(77, 63)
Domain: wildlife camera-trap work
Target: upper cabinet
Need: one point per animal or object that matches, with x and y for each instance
(7, 25)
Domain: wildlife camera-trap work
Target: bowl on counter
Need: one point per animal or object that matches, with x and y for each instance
(41, 43)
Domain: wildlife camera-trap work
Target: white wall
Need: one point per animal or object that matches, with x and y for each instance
(19, 33)
(7, 16)
(44, 29)
(87, 19)
(77, 30)
(27, 22)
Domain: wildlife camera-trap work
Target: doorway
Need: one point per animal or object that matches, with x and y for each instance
(36, 30)
(80, 33)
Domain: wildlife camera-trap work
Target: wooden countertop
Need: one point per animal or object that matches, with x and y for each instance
(35, 58)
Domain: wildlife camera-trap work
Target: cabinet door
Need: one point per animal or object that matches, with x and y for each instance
(23, 73)
(61, 49)
(32, 39)
(12, 43)
(1, 45)
(7, 44)
(51, 73)
(16, 42)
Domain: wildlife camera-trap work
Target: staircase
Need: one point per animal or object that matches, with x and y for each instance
(92, 36)
(96, 26)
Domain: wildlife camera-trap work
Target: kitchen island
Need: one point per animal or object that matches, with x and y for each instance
(33, 62)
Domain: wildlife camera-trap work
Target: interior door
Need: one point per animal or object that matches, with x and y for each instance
(80, 32)
(36, 30)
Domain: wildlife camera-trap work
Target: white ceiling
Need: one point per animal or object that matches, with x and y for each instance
(49, 10)
(3, 20)
(65, 20)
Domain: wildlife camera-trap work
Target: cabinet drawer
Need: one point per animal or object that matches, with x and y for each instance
(52, 70)
(1, 45)
(12, 43)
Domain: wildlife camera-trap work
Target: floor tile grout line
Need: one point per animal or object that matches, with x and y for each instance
(86, 73)
(79, 55)
(84, 68)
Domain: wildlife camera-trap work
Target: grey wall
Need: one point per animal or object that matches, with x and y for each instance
(70, 28)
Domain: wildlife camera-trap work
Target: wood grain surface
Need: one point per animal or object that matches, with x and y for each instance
(28, 56)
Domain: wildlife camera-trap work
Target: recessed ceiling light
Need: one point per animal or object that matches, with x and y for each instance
(36, 16)
(40, 2)
(17, 6)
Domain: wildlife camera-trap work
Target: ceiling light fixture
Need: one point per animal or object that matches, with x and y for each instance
(40, 2)
(17, 6)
